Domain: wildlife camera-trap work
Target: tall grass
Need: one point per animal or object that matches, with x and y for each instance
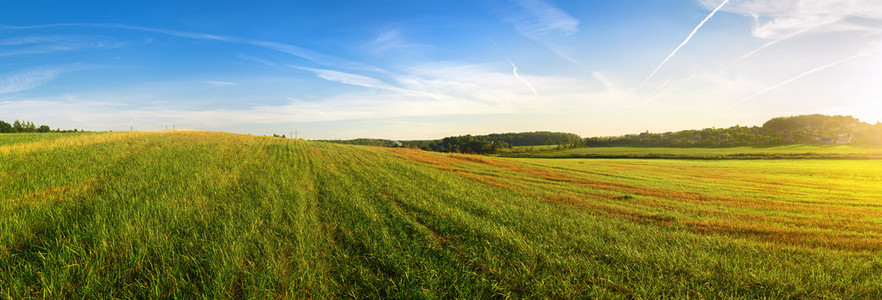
(217, 215)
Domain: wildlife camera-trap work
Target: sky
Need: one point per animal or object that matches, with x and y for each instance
(430, 69)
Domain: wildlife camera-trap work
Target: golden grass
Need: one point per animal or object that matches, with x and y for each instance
(765, 212)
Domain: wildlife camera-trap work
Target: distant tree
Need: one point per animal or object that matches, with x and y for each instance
(5, 127)
(43, 128)
(29, 127)
(16, 126)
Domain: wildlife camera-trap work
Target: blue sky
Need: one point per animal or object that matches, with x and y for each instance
(429, 69)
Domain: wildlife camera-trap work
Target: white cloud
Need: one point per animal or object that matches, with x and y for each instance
(348, 78)
(776, 19)
(28, 79)
(394, 39)
(608, 85)
(789, 36)
(541, 19)
(805, 36)
(386, 40)
(53, 43)
(257, 60)
(546, 24)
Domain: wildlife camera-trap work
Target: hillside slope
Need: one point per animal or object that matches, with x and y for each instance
(222, 215)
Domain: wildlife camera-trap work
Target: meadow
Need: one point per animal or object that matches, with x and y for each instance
(192, 214)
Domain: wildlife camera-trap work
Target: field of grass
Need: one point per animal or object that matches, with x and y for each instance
(772, 152)
(219, 215)
(7, 141)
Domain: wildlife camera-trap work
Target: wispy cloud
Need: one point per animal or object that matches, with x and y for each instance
(689, 37)
(314, 56)
(779, 20)
(53, 43)
(789, 36)
(31, 78)
(220, 83)
(387, 40)
(544, 23)
(28, 79)
(801, 75)
(348, 78)
(541, 19)
(259, 60)
(394, 39)
(608, 85)
(433, 91)
(776, 18)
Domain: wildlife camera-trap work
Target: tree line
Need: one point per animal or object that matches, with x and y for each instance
(491, 143)
(802, 129)
(26, 127)
(481, 144)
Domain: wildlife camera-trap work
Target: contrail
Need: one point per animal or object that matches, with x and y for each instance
(514, 71)
(655, 93)
(795, 33)
(803, 74)
(683, 43)
(514, 68)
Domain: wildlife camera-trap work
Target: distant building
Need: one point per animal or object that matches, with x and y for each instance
(827, 140)
(844, 139)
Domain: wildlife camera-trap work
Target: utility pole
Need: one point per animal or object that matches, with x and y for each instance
(131, 128)
(166, 127)
(173, 127)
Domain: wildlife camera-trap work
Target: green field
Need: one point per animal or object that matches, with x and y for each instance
(220, 215)
(771, 152)
(523, 149)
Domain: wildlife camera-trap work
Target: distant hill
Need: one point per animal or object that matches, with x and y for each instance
(803, 129)
(476, 143)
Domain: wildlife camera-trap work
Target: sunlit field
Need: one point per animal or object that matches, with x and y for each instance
(770, 152)
(219, 215)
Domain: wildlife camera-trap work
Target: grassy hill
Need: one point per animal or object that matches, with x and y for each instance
(219, 215)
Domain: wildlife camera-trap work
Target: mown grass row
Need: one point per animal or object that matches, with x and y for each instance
(216, 215)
